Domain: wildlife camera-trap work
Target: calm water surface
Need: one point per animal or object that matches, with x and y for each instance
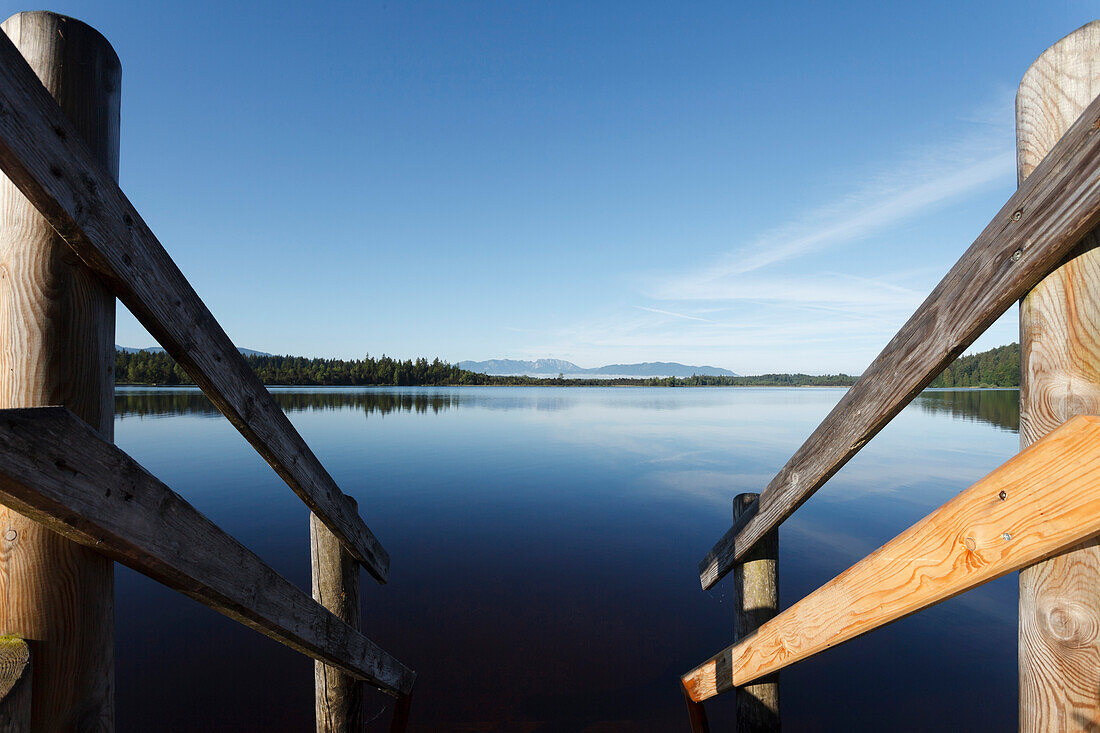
(544, 545)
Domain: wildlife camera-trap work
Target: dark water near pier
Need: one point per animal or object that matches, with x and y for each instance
(544, 545)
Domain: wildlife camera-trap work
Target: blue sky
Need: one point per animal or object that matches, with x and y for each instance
(758, 186)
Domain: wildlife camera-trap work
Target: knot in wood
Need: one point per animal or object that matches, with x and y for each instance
(1069, 624)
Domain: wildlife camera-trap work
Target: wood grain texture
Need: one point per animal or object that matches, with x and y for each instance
(1040, 502)
(1051, 212)
(338, 697)
(756, 601)
(57, 347)
(697, 714)
(16, 681)
(1059, 606)
(57, 470)
(41, 153)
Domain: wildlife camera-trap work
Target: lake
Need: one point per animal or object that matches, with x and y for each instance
(544, 545)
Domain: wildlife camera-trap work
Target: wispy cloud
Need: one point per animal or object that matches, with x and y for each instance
(839, 223)
(676, 315)
(793, 297)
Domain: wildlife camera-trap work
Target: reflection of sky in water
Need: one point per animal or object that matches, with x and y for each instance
(544, 545)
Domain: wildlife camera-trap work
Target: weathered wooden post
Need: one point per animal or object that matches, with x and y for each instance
(402, 708)
(57, 328)
(338, 696)
(756, 599)
(1059, 645)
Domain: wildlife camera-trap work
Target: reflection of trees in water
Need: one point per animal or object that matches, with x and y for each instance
(154, 401)
(179, 402)
(996, 407)
(1000, 407)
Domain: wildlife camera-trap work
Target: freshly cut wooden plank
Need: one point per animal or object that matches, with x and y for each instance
(1041, 223)
(57, 470)
(1040, 502)
(46, 159)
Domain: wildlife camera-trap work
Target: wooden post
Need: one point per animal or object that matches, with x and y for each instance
(756, 600)
(57, 328)
(1059, 631)
(402, 707)
(697, 714)
(338, 696)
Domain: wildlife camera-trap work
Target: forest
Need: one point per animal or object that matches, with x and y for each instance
(157, 368)
(999, 367)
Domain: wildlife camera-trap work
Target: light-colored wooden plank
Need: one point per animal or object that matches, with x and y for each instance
(338, 697)
(1040, 502)
(1059, 647)
(57, 470)
(57, 347)
(44, 157)
(1028, 238)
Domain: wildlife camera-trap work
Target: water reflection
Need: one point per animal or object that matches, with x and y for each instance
(545, 544)
(159, 402)
(167, 401)
(1000, 407)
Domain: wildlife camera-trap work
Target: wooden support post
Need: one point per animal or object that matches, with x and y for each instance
(15, 685)
(338, 696)
(57, 328)
(756, 598)
(697, 714)
(1041, 502)
(399, 723)
(55, 469)
(1059, 631)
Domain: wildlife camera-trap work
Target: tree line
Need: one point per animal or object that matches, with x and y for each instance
(157, 368)
(999, 367)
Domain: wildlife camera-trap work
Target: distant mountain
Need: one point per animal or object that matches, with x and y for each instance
(661, 369)
(157, 350)
(514, 366)
(554, 367)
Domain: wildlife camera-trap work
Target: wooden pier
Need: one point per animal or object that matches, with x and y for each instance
(73, 503)
(1036, 513)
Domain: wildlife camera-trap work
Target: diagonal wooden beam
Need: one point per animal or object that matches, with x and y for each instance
(59, 471)
(1029, 237)
(47, 160)
(1040, 502)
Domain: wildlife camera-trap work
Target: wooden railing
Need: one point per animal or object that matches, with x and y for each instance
(1037, 505)
(1044, 500)
(1028, 238)
(57, 470)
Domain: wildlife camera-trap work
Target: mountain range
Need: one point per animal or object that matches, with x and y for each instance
(554, 367)
(157, 350)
